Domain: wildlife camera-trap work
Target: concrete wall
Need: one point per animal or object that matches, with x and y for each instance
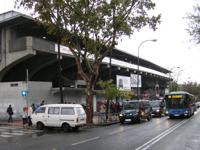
(10, 93)
(39, 91)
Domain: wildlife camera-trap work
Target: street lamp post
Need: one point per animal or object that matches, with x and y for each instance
(178, 74)
(138, 62)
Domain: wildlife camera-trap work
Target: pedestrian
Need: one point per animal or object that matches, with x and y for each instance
(10, 113)
(30, 111)
(42, 103)
(33, 107)
(24, 116)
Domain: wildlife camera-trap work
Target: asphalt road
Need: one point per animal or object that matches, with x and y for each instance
(158, 134)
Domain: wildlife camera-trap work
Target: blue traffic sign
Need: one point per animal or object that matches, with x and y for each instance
(24, 93)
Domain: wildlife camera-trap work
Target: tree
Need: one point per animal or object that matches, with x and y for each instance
(91, 29)
(110, 91)
(126, 94)
(194, 24)
(173, 86)
(191, 87)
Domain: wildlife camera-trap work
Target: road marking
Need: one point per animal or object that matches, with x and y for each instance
(9, 127)
(6, 136)
(148, 144)
(87, 140)
(7, 131)
(11, 133)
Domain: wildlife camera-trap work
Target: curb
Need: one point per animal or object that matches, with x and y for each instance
(19, 123)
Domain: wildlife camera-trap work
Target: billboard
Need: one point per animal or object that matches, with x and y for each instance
(133, 80)
(123, 83)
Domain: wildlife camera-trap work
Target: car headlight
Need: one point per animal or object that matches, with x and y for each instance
(157, 110)
(186, 112)
(120, 115)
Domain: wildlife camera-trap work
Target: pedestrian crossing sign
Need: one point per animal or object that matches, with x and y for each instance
(24, 93)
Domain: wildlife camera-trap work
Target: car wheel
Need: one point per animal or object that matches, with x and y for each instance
(122, 122)
(66, 127)
(149, 118)
(40, 126)
(139, 119)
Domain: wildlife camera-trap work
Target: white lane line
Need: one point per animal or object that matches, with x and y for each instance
(160, 136)
(6, 136)
(11, 133)
(87, 140)
(11, 128)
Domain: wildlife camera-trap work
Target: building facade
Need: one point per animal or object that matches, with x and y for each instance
(28, 61)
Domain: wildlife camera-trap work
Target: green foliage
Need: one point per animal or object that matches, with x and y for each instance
(191, 87)
(109, 89)
(126, 94)
(173, 86)
(92, 24)
(194, 24)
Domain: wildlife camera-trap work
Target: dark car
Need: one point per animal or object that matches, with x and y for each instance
(158, 108)
(135, 111)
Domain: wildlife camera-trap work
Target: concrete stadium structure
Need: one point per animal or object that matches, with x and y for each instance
(28, 62)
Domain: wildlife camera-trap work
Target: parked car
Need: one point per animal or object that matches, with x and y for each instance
(65, 116)
(135, 111)
(198, 104)
(158, 108)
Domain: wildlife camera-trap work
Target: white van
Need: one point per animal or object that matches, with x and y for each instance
(66, 116)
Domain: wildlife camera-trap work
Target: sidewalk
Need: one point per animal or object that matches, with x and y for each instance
(14, 123)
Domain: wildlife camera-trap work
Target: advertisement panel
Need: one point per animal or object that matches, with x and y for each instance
(133, 80)
(123, 82)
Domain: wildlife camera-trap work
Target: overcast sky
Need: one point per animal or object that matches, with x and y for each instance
(173, 49)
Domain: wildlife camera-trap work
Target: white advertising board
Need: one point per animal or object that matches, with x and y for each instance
(133, 80)
(123, 83)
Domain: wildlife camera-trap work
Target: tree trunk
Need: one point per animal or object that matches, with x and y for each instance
(89, 103)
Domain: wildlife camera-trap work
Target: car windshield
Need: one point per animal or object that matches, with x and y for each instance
(80, 111)
(155, 103)
(131, 105)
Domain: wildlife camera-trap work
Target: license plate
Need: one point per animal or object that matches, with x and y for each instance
(127, 119)
(176, 115)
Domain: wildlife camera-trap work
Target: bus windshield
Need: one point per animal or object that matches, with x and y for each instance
(176, 103)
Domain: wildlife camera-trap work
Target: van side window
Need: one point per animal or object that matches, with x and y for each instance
(54, 110)
(40, 110)
(67, 111)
